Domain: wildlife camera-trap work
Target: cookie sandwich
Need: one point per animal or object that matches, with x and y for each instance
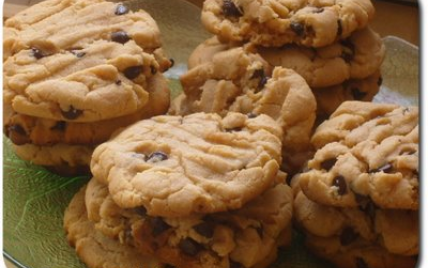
(74, 72)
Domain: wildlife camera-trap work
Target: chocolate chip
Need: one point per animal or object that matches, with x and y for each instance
(118, 82)
(153, 69)
(387, 168)
(262, 83)
(142, 211)
(406, 110)
(367, 206)
(120, 37)
(259, 73)
(234, 264)
(172, 62)
(37, 53)
(348, 49)
(235, 129)
(319, 10)
(328, 164)
(230, 9)
(80, 54)
(158, 226)
(17, 134)
(168, 266)
(357, 94)
(340, 183)
(189, 246)
(121, 10)
(133, 72)
(361, 263)
(205, 229)
(251, 115)
(60, 125)
(380, 81)
(157, 157)
(72, 113)
(347, 56)
(339, 28)
(297, 28)
(348, 236)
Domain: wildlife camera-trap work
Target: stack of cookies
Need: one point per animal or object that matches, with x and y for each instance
(195, 191)
(74, 72)
(241, 81)
(328, 43)
(358, 200)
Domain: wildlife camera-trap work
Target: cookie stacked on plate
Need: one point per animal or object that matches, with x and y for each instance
(241, 81)
(358, 200)
(74, 72)
(195, 191)
(329, 43)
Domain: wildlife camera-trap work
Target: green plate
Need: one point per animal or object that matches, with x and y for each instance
(35, 199)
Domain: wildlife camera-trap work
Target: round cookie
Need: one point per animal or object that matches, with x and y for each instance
(54, 25)
(358, 254)
(22, 129)
(95, 249)
(395, 230)
(238, 80)
(276, 23)
(357, 57)
(330, 98)
(175, 166)
(365, 152)
(100, 81)
(248, 236)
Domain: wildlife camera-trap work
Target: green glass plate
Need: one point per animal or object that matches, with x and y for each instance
(35, 199)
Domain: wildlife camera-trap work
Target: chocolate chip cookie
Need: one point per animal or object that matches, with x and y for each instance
(247, 237)
(175, 166)
(23, 129)
(395, 230)
(240, 81)
(358, 254)
(356, 57)
(366, 152)
(95, 249)
(276, 23)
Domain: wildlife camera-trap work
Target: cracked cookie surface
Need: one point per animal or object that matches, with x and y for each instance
(275, 23)
(366, 152)
(248, 236)
(92, 247)
(175, 166)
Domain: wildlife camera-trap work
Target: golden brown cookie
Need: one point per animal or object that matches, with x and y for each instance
(276, 23)
(175, 166)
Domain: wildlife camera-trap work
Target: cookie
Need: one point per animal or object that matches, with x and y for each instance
(366, 152)
(58, 155)
(53, 26)
(330, 98)
(356, 57)
(201, 163)
(395, 230)
(95, 249)
(238, 80)
(358, 254)
(100, 81)
(276, 23)
(22, 129)
(247, 237)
